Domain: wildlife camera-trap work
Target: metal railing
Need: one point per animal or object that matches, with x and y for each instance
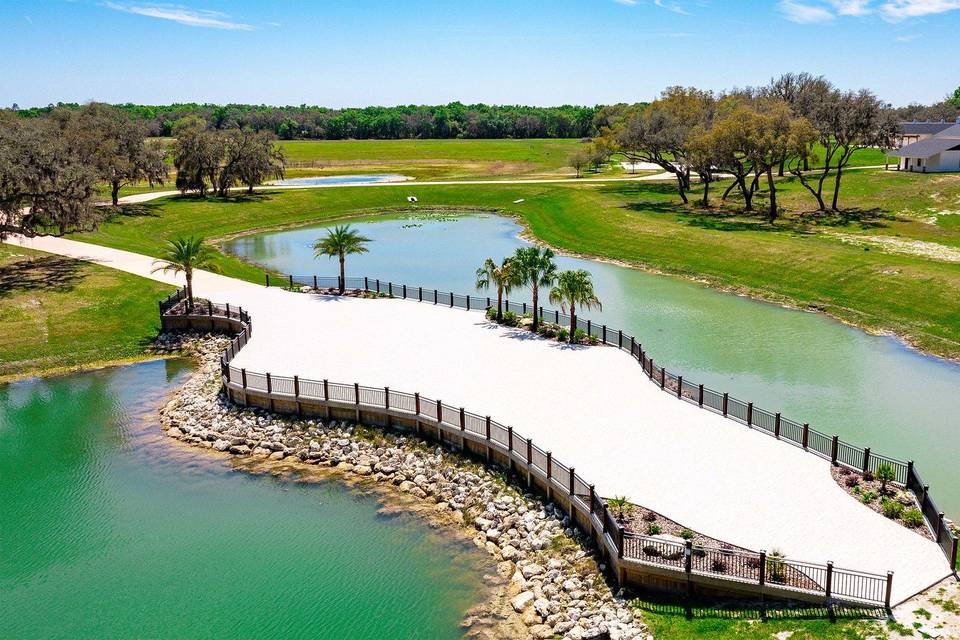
(687, 561)
(799, 434)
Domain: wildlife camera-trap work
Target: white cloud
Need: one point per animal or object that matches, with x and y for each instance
(851, 7)
(629, 3)
(902, 9)
(909, 37)
(804, 13)
(182, 15)
(669, 5)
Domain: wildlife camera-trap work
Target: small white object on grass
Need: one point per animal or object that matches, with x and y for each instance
(411, 198)
(518, 201)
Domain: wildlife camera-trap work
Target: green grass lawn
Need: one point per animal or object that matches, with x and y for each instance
(799, 260)
(671, 619)
(58, 314)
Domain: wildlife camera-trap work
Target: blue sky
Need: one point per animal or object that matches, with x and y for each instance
(362, 52)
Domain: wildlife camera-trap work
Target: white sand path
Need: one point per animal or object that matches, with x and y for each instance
(593, 407)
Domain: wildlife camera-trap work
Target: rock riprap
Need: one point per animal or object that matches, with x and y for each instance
(555, 585)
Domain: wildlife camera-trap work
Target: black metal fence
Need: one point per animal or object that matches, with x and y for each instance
(692, 560)
(829, 447)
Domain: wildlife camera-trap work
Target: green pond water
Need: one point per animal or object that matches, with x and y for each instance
(871, 390)
(110, 530)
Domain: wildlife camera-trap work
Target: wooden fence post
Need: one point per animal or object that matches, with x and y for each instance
(834, 448)
(572, 473)
(700, 396)
(593, 499)
(650, 371)
(889, 591)
(763, 566)
(604, 334)
(489, 450)
(356, 398)
(243, 377)
(619, 541)
(806, 434)
(680, 387)
(529, 461)
(434, 296)
(866, 459)
(296, 395)
(726, 399)
(366, 283)
(663, 377)
(510, 449)
(315, 282)
(270, 391)
(291, 281)
(468, 302)
(940, 526)
(419, 294)
(749, 414)
(404, 292)
(267, 275)
(776, 426)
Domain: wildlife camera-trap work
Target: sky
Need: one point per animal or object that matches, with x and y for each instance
(341, 53)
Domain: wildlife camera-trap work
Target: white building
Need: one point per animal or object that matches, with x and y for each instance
(929, 147)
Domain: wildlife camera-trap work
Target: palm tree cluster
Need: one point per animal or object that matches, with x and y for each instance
(534, 267)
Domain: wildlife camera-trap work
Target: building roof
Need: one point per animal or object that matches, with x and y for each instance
(927, 148)
(924, 128)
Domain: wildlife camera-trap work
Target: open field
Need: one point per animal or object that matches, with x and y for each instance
(837, 264)
(57, 314)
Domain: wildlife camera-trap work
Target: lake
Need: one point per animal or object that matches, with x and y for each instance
(108, 529)
(871, 390)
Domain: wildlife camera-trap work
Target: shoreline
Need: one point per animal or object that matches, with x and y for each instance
(526, 234)
(548, 582)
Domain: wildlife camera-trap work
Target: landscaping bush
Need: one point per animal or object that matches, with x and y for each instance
(868, 476)
(851, 481)
(844, 471)
(510, 318)
(673, 555)
(653, 529)
(891, 508)
(562, 335)
(491, 313)
(579, 335)
(776, 569)
(912, 518)
(698, 553)
(869, 496)
(593, 340)
(885, 474)
(687, 534)
(649, 516)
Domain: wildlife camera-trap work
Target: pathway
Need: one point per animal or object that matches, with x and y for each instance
(593, 407)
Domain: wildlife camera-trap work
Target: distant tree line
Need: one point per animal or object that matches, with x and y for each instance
(947, 109)
(454, 120)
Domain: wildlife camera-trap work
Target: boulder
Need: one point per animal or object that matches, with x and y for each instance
(521, 601)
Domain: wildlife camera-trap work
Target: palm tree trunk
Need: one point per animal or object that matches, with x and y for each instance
(343, 277)
(573, 322)
(499, 304)
(535, 298)
(189, 275)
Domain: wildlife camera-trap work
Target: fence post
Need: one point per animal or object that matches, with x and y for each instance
(419, 294)
(390, 289)
(806, 434)
(619, 541)
(451, 299)
(267, 275)
(524, 308)
(829, 588)
(572, 472)
(700, 396)
(416, 402)
(378, 286)
(650, 371)
(296, 394)
(209, 308)
(434, 296)
(468, 302)
(834, 448)
(939, 526)
(529, 461)
(605, 509)
(269, 384)
(589, 327)
(886, 598)
(315, 282)
(326, 391)
(620, 338)
(604, 334)
(906, 482)
(386, 398)
(632, 342)
(923, 495)
(866, 458)
(680, 386)
(556, 316)
(404, 292)
(366, 283)
(463, 421)
(726, 400)
(243, 377)
(356, 398)
(291, 280)
(510, 448)
(549, 465)
(688, 557)
(749, 414)
(763, 566)
(593, 499)
(663, 377)
(776, 426)
(489, 450)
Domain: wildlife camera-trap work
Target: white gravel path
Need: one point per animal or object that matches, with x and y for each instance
(593, 407)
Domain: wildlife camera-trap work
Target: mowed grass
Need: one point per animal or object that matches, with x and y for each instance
(57, 314)
(799, 260)
(671, 619)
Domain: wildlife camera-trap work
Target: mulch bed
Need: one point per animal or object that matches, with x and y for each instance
(868, 490)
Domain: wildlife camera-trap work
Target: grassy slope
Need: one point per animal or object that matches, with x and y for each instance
(795, 260)
(57, 314)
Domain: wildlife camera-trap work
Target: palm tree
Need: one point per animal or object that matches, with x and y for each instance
(620, 504)
(341, 241)
(183, 255)
(503, 277)
(537, 269)
(574, 288)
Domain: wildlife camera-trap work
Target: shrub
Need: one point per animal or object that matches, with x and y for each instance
(753, 563)
(891, 508)
(510, 318)
(698, 553)
(562, 335)
(593, 340)
(868, 475)
(851, 481)
(653, 529)
(844, 471)
(776, 569)
(687, 534)
(868, 497)
(912, 518)
(579, 335)
(491, 313)
(718, 566)
(650, 516)
(885, 474)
